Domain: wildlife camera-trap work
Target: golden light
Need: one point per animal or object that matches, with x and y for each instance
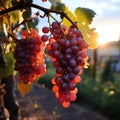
(103, 38)
(111, 92)
(106, 36)
(108, 31)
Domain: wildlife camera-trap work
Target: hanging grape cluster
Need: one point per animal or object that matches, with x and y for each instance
(65, 45)
(29, 55)
(68, 51)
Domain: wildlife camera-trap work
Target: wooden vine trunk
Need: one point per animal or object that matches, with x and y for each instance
(8, 98)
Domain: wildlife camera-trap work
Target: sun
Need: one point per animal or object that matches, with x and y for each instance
(105, 37)
(107, 32)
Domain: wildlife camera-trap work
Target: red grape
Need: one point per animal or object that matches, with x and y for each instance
(45, 29)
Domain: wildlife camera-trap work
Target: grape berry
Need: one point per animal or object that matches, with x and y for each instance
(44, 0)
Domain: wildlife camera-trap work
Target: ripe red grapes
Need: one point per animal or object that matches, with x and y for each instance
(29, 55)
(44, 0)
(68, 51)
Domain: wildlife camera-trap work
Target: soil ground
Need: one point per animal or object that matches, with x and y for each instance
(41, 104)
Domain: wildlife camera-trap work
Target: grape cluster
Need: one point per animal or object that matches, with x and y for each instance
(29, 55)
(68, 51)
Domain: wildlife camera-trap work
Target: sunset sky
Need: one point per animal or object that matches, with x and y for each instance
(107, 19)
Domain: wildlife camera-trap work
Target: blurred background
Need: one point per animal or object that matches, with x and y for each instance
(100, 84)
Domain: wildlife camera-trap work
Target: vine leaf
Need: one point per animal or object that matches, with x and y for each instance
(84, 18)
(24, 88)
(58, 6)
(65, 21)
(8, 69)
(53, 2)
(3, 33)
(84, 15)
(14, 17)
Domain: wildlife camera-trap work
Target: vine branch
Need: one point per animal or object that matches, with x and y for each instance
(47, 11)
(23, 22)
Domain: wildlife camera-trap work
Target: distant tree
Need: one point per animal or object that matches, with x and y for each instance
(107, 74)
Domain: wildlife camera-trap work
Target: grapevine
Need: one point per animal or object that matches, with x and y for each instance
(64, 43)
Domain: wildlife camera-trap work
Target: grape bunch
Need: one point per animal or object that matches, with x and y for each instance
(29, 55)
(68, 52)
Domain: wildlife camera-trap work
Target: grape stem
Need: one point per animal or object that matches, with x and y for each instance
(45, 10)
(23, 22)
(13, 36)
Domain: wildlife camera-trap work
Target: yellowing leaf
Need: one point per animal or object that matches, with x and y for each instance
(24, 88)
(70, 15)
(14, 17)
(92, 44)
(84, 15)
(84, 18)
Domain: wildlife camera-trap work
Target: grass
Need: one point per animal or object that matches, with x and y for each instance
(101, 95)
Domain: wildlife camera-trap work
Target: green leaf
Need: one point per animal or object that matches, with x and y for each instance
(54, 1)
(84, 15)
(14, 17)
(27, 14)
(65, 21)
(2, 63)
(28, 1)
(58, 6)
(14, 2)
(84, 18)
(2, 35)
(8, 69)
